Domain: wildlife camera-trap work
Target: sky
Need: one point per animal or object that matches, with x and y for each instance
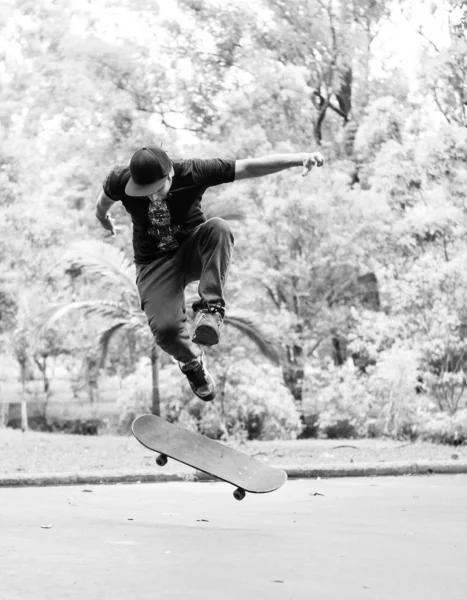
(399, 43)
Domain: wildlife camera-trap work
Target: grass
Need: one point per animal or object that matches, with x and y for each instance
(36, 452)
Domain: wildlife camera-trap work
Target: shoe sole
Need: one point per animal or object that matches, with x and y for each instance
(209, 397)
(205, 336)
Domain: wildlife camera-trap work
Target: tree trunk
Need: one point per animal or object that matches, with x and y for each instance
(42, 366)
(4, 410)
(155, 364)
(24, 403)
(24, 415)
(294, 373)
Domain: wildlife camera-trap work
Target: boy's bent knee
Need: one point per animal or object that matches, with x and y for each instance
(173, 339)
(165, 332)
(219, 226)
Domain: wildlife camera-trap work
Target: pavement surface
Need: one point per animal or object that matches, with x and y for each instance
(352, 538)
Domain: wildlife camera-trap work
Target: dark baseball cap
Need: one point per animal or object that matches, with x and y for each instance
(148, 166)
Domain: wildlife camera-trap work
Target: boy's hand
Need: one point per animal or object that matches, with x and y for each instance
(109, 224)
(312, 160)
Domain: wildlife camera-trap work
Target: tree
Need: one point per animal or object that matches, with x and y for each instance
(303, 262)
(443, 68)
(281, 64)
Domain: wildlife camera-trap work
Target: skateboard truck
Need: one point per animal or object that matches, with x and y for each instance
(238, 494)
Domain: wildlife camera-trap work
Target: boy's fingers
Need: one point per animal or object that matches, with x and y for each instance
(308, 164)
(311, 161)
(319, 159)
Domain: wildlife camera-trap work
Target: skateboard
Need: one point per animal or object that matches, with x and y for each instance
(247, 474)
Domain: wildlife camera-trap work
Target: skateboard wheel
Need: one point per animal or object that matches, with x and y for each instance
(161, 460)
(239, 494)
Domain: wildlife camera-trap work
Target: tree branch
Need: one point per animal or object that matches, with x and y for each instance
(331, 105)
(420, 32)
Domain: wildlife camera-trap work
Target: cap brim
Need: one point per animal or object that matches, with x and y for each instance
(136, 190)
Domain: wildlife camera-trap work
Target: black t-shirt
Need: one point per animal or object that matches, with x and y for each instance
(159, 228)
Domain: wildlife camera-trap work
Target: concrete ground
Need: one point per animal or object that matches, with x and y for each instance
(389, 538)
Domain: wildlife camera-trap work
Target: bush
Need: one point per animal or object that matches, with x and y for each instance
(252, 403)
(380, 402)
(77, 426)
(72, 426)
(260, 401)
(35, 423)
(310, 426)
(134, 396)
(342, 429)
(342, 401)
(442, 428)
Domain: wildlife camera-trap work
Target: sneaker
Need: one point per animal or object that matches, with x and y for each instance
(208, 325)
(199, 378)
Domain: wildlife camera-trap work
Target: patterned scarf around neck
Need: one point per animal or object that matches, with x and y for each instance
(161, 226)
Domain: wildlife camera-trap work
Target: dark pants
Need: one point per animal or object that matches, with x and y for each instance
(205, 256)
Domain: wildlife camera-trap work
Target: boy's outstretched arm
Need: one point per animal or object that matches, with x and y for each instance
(266, 165)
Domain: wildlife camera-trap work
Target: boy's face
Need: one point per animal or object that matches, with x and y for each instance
(163, 189)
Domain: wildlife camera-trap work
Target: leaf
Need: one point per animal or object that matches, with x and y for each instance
(246, 326)
(104, 261)
(104, 308)
(107, 334)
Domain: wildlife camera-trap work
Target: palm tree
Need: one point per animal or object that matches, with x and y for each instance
(108, 263)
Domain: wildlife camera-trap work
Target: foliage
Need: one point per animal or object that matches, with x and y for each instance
(134, 396)
(380, 401)
(444, 70)
(443, 428)
(252, 403)
(255, 79)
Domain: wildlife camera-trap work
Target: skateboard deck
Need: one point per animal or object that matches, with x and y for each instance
(209, 456)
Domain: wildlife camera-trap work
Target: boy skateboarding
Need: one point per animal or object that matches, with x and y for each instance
(174, 244)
